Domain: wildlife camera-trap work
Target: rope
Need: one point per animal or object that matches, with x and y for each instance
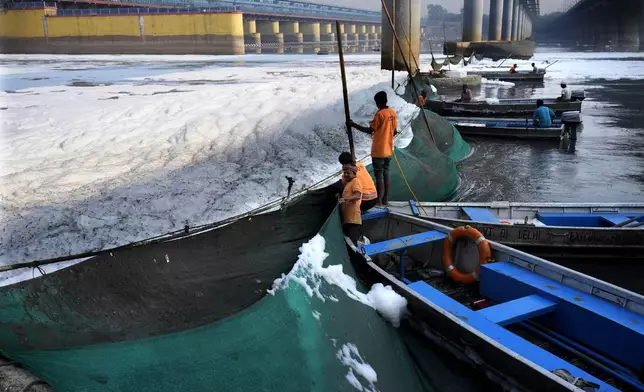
(402, 173)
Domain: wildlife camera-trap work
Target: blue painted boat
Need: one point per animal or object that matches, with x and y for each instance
(595, 238)
(501, 128)
(526, 323)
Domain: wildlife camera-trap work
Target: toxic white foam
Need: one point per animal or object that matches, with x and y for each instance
(350, 356)
(496, 82)
(88, 168)
(310, 273)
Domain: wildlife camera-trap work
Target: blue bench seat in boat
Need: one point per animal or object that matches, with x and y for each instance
(602, 325)
(480, 215)
(580, 220)
(374, 213)
(518, 310)
(520, 346)
(615, 219)
(402, 243)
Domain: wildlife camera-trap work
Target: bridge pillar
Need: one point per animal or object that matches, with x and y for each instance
(270, 32)
(506, 28)
(472, 20)
(496, 20)
(629, 28)
(327, 32)
(344, 34)
(373, 34)
(310, 32)
(515, 20)
(522, 24)
(608, 27)
(406, 13)
(353, 38)
(641, 24)
(291, 31)
(251, 36)
(363, 36)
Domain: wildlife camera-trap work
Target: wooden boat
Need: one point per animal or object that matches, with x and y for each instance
(499, 108)
(556, 121)
(520, 76)
(528, 324)
(546, 228)
(501, 128)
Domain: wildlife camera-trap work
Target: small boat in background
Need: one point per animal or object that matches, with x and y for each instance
(509, 76)
(502, 128)
(501, 107)
(550, 230)
(528, 324)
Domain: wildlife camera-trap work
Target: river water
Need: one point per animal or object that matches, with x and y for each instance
(607, 163)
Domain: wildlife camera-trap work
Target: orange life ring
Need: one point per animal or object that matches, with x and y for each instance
(485, 254)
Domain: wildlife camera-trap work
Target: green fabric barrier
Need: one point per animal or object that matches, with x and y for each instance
(274, 345)
(429, 168)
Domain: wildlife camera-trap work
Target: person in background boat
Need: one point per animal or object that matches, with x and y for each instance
(383, 129)
(565, 93)
(466, 95)
(543, 116)
(513, 69)
(369, 192)
(422, 99)
(534, 68)
(350, 204)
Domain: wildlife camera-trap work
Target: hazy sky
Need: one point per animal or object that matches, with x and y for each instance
(452, 5)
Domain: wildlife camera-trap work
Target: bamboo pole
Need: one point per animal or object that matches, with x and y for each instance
(345, 93)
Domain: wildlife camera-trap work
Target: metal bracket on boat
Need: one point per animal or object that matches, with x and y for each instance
(553, 234)
(579, 382)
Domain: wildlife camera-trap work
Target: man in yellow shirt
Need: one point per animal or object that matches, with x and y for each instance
(350, 205)
(382, 128)
(369, 193)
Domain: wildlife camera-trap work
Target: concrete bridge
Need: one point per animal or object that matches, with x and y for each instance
(602, 24)
(510, 20)
(269, 25)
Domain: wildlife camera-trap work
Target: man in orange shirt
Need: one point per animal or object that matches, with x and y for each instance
(382, 128)
(350, 204)
(369, 193)
(422, 99)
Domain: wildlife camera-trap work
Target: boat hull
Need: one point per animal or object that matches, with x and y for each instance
(505, 108)
(455, 323)
(529, 132)
(510, 77)
(495, 50)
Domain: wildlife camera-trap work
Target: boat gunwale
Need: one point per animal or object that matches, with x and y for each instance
(402, 205)
(587, 284)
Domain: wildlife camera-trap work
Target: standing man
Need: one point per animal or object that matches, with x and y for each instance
(513, 69)
(382, 128)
